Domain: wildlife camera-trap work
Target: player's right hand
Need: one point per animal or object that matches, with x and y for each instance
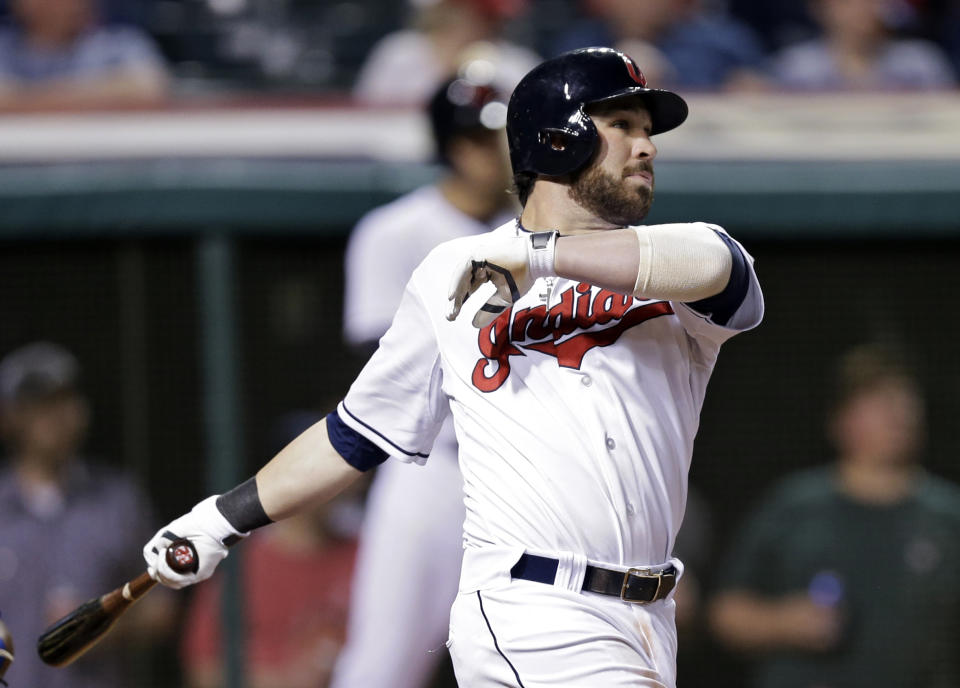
(512, 264)
(808, 626)
(206, 528)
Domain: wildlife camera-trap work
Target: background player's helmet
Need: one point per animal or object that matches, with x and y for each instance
(547, 127)
(461, 107)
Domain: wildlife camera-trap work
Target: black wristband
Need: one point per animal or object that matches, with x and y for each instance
(242, 508)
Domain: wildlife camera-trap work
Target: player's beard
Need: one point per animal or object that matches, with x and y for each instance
(610, 198)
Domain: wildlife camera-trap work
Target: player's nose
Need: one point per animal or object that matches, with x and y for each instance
(643, 148)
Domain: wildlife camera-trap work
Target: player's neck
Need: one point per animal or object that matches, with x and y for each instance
(550, 206)
(470, 201)
(41, 469)
(866, 482)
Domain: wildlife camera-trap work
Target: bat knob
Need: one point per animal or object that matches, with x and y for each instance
(182, 556)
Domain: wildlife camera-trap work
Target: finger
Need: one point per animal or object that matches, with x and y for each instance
(490, 311)
(459, 279)
(472, 275)
(169, 577)
(459, 288)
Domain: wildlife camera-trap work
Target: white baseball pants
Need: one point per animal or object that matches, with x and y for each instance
(531, 635)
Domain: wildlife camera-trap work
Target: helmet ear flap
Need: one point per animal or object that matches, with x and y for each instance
(564, 150)
(556, 139)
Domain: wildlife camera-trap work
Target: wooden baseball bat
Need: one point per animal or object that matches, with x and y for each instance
(81, 629)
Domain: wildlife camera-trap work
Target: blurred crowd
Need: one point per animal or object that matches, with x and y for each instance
(796, 599)
(73, 53)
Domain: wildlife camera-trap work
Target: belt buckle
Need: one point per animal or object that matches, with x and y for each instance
(640, 573)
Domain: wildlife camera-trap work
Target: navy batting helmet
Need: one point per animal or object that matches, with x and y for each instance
(460, 107)
(548, 128)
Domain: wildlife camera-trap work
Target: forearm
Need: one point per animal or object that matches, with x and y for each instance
(752, 623)
(308, 470)
(745, 621)
(125, 87)
(607, 259)
(672, 262)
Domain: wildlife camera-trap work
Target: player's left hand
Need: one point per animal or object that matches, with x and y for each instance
(511, 264)
(210, 534)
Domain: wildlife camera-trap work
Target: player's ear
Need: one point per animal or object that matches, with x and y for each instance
(458, 153)
(11, 422)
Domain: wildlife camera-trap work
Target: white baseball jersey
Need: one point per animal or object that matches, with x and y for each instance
(575, 411)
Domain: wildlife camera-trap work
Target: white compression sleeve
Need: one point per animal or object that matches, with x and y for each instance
(681, 262)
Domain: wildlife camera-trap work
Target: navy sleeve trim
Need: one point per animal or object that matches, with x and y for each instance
(382, 436)
(721, 307)
(355, 449)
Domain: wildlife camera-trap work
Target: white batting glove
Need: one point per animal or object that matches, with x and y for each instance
(511, 264)
(206, 528)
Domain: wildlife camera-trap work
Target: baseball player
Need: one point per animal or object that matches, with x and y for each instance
(572, 347)
(413, 521)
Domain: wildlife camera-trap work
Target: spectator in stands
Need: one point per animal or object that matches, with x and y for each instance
(849, 575)
(947, 32)
(406, 67)
(858, 51)
(296, 591)
(56, 550)
(776, 24)
(679, 44)
(56, 54)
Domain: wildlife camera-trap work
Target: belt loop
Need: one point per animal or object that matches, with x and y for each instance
(571, 571)
(678, 565)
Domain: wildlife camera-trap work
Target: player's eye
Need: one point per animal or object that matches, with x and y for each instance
(620, 124)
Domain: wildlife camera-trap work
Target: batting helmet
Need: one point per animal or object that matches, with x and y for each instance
(548, 128)
(461, 106)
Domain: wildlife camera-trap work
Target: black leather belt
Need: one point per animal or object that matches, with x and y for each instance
(640, 586)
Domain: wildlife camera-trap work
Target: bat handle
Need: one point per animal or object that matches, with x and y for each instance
(181, 556)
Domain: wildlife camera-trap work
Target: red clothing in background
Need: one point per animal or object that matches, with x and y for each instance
(296, 612)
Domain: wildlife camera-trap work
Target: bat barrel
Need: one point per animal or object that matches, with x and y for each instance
(78, 631)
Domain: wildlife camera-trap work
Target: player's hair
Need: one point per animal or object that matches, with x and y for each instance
(523, 185)
(867, 367)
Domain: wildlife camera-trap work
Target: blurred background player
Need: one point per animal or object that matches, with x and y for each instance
(849, 575)
(56, 53)
(296, 592)
(414, 516)
(406, 66)
(857, 49)
(57, 544)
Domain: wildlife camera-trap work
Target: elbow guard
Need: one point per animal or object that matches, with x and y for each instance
(681, 262)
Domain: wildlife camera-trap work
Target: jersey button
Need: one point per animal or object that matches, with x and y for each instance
(586, 380)
(611, 444)
(631, 509)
